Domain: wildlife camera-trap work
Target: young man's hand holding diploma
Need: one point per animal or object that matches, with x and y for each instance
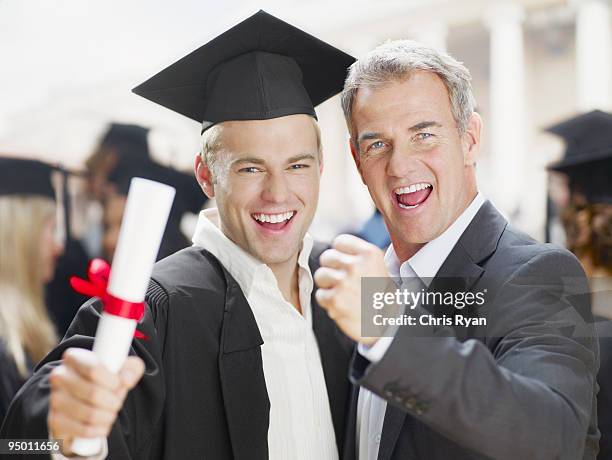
(86, 397)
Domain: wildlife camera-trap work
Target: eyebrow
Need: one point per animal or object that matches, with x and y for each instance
(259, 161)
(368, 135)
(424, 125)
(243, 160)
(301, 157)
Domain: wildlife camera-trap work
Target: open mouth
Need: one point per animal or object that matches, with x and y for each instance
(276, 221)
(413, 196)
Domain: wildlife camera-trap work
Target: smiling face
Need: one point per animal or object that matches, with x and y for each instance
(418, 167)
(265, 179)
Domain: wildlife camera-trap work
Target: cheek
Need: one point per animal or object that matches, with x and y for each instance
(374, 172)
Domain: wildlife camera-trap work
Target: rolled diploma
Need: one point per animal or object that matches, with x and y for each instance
(144, 221)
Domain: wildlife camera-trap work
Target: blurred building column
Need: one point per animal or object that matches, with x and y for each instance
(593, 55)
(433, 34)
(507, 112)
(344, 203)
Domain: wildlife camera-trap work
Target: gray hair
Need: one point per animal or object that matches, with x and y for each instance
(396, 60)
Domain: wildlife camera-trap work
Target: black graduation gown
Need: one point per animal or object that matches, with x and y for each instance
(10, 380)
(203, 395)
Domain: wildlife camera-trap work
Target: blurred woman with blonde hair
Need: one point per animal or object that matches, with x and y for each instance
(28, 250)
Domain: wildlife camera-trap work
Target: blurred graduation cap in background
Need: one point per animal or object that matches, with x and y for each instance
(20, 176)
(129, 140)
(262, 68)
(587, 161)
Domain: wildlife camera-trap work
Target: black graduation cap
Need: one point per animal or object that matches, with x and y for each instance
(261, 68)
(19, 176)
(588, 139)
(129, 140)
(588, 158)
(22, 176)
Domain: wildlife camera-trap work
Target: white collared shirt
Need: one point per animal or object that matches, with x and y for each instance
(424, 264)
(301, 425)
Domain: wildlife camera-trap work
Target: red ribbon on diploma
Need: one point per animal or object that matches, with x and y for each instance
(98, 273)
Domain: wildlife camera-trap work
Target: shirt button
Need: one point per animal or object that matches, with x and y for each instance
(377, 439)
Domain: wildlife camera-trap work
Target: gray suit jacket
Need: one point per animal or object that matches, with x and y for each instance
(521, 387)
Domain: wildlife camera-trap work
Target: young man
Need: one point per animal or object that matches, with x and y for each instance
(520, 386)
(241, 362)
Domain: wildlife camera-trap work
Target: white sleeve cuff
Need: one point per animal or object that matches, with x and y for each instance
(375, 353)
(101, 456)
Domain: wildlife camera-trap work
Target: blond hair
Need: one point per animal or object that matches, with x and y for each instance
(25, 326)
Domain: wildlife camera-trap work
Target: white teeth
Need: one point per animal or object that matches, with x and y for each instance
(412, 188)
(403, 206)
(274, 218)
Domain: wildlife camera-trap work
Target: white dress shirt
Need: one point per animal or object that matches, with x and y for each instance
(301, 425)
(425, 265)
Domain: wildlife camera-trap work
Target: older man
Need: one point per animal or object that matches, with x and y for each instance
(521, 383)
(241, 363)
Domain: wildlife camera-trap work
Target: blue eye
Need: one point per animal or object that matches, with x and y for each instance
(299, 166)
(250, 169)
(376, 145)
(424, 136)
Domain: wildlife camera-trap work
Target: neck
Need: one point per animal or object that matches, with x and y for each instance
(406, 251)
(286, 274)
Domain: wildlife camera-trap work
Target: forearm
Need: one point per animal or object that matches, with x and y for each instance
(459, 390)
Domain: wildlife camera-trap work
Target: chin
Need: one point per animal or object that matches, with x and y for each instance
(276, 253)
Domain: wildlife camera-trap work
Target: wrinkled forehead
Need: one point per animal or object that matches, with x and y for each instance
(422, 95)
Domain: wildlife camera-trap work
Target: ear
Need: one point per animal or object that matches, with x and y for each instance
(321, 163)
(356, 158)
(204, 176)
(470, 140)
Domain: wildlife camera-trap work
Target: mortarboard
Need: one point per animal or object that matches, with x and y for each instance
(20, 176)
(588, 138)
(128, 140)
(588, 157)
(261, 68)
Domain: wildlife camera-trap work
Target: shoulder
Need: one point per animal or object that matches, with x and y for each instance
(521, 253)
(189, 269)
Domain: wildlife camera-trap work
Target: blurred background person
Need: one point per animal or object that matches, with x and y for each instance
(119, 146)
(29, 248)
(586, 213)
(586, 216)
(189, 199)
(122, 154)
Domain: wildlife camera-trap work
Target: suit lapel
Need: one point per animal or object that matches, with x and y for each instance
(394, 421)
(459, 272)
(245, 396)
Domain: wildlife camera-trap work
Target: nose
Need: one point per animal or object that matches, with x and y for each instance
(275, 189)
(401, 162)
